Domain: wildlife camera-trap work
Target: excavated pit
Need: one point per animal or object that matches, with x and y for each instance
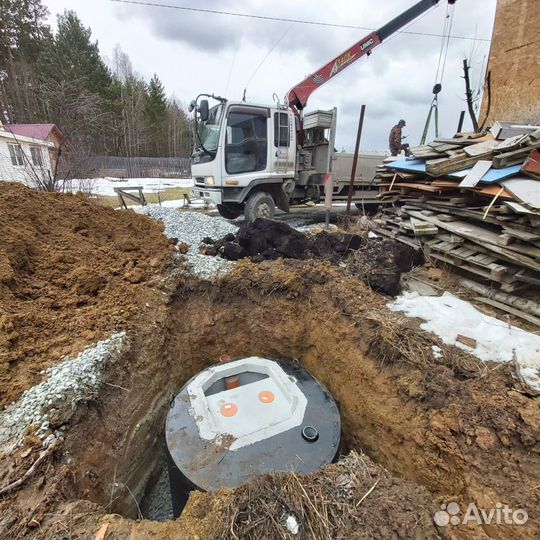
(433, 429)
(442, 425)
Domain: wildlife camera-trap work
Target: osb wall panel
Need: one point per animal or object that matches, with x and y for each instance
(514, 62)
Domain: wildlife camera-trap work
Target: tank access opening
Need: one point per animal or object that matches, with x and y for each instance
(247, 417)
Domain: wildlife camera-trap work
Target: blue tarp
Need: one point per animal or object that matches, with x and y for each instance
(419, 166)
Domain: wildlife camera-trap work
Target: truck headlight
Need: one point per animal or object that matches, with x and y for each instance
(209, 180)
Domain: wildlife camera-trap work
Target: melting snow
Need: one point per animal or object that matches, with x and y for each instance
(447, 316)
(105, 186)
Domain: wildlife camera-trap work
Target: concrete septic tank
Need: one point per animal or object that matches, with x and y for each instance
(248, 417)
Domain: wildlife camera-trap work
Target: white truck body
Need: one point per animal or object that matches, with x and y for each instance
(246, 150)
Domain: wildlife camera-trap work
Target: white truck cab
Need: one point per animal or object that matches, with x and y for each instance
(247, 159)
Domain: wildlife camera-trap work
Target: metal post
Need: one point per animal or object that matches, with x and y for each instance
(355, 159)
(460, 123)
(328, 193)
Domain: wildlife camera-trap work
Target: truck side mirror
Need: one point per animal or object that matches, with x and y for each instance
(203, 110)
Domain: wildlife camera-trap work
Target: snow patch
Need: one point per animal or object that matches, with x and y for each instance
(105, 186)
(447, 316)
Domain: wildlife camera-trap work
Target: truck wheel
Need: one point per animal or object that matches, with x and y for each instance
(229, 211)
(260, 205)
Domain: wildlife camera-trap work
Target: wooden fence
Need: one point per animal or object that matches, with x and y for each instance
(140, 167)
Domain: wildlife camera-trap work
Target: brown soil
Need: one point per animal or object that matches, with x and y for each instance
(432, 430)
(70, 273)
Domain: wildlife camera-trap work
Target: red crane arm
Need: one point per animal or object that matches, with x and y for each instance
(299, 94)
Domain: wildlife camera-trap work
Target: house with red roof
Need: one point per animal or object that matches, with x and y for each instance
(43, 132)
(26, 158)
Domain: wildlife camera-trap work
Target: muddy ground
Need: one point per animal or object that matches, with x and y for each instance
(419, 431)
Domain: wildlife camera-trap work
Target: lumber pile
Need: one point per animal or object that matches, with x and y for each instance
(472, 202)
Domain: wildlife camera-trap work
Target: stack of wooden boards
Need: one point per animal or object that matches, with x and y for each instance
(472, 202)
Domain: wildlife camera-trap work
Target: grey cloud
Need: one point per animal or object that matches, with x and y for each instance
(395, 81)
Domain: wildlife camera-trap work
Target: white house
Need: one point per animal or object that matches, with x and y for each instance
(24, 159)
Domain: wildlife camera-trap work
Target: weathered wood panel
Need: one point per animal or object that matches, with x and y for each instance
(514, 62)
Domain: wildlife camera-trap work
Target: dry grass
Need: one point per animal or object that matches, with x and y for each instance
(343, 500)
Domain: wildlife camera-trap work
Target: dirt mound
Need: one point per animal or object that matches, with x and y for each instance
(343, 500)
(379, 262)
(266, 239)
(70, 272)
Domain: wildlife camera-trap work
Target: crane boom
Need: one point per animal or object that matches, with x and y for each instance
(299, 94)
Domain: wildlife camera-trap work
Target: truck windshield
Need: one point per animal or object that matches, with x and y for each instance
(209, 130)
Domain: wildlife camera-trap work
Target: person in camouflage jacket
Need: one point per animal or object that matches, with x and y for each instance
(394, 140)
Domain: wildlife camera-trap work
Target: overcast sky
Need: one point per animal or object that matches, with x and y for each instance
(199, 52)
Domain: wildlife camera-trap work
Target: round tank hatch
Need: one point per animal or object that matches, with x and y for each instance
(248, 417)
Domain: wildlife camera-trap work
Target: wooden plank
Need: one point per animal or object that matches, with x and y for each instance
(526, 236)
(525, 190)
(519, 208)
(482, 236)
(453, 142)
(442, 147)
(466, 340)
(464, 266)
(481, 148)
(531, 307)
(421, 227)
(515, 157)
(512, 310)
(479, 169)
(505, 240)
(441, 167)
(403, 239)
(497, 272)
(512, 142)
(490, 191)
(447, 217)
(451, 238)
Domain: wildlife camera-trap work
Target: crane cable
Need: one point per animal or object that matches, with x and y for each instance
(264, 59)
(441, 65)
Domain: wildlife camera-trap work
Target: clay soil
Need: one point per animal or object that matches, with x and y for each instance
(71, 272)
(418, 431)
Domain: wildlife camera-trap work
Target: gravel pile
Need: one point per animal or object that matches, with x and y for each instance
(190, 228)
(53, 402)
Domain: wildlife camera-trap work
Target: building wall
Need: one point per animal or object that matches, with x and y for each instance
(22, 173)
(514, 62)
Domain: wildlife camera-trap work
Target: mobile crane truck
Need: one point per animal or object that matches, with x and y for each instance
(251, 158)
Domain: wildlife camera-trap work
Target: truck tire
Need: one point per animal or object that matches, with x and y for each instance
(260, 205)
(229, 211)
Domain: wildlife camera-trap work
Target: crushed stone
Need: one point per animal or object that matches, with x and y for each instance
(190, 228)
(52, 403)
